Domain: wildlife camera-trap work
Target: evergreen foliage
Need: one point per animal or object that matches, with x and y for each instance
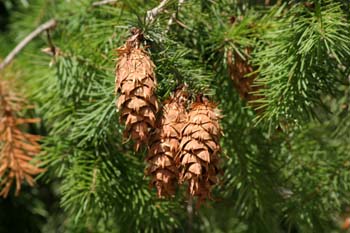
(285, 154)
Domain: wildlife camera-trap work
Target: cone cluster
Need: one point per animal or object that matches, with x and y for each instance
(17, 147)
(183, 144)
(136, 84)
(184, 148)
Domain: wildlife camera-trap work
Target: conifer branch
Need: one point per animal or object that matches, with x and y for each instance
(272, 178)
(49, 24)
(17, 147)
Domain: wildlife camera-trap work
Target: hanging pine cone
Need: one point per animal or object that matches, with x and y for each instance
(200, 148)
(238, 68)
(136, 83)
(17, 147)
(165, 144)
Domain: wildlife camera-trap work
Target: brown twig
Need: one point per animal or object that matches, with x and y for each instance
(49, 24)
(181, 24)
(104, 2)
(49, 40)
(174, 15)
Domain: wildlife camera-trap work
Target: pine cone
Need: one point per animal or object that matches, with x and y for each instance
(164, 146)
(237, 70)
(17, 147)
(244, 85)
(200, 148)
(136, 83)
(238, 67)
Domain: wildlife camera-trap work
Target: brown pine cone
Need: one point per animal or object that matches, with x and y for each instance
(198, 159)
(237, 69)
(164, 145)
(136, 83)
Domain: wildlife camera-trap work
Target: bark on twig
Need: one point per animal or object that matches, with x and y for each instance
(49, 24)
(152, 14)
(104, 2)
